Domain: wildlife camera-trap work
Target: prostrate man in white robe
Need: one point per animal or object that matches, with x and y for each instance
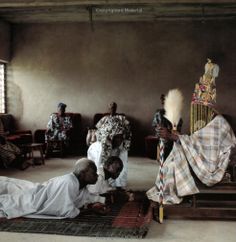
(60, 197)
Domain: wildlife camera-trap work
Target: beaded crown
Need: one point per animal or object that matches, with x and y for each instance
(203, 104)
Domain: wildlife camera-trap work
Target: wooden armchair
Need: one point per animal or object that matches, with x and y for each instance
(18, 137)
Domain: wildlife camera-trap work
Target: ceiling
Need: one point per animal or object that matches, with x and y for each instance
(47, 11)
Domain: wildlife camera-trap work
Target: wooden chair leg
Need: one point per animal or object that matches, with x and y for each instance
(32, 156)
(41, 154)
(61, 145)
(48, 149)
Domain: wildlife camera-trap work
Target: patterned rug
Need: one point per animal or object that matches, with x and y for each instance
(124, 220)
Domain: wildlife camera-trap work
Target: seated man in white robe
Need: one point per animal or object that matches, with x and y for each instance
(60, 197)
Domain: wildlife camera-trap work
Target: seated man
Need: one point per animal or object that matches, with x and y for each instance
(58, 127)
(113, 139)
(204, 154)
(60, 197)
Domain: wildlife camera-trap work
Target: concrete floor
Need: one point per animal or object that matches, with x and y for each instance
(142, 174)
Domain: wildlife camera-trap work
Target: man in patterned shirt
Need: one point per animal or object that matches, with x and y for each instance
(59, 126)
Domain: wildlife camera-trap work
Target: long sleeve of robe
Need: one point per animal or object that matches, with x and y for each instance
(60, 197)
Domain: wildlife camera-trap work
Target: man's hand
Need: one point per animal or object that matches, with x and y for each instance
(99, 208)
(164, 133)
